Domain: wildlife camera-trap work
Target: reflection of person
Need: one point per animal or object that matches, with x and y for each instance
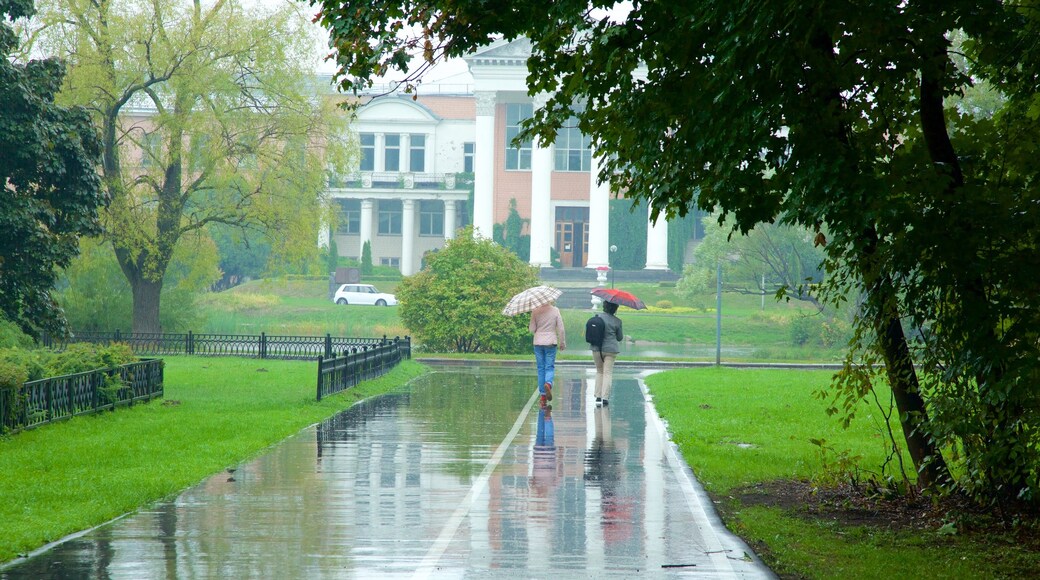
(545, 457)
(606, 353)
(604, 467)
(547, 327)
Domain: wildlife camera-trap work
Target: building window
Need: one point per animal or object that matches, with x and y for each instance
(573, 150)
(431, 218)
(467, 156)
(199, 156)
(368, 152)
(517, 158)
(417, 153)
(151, 147)
(395, 262)
(392, 153)
(390, 218)
(349, 217)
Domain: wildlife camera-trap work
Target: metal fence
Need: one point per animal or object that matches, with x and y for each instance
(247, 345)
(57, 398)
(356, 365)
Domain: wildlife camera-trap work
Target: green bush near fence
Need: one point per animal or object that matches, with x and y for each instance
(20, 365)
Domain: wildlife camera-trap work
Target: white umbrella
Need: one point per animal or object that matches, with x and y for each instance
(530, 299)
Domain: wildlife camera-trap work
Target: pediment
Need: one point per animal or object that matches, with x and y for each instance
(399, 109)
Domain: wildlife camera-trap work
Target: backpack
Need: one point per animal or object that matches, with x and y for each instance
(595, 329)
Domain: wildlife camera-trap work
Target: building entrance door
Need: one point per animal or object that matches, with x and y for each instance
(572, 236)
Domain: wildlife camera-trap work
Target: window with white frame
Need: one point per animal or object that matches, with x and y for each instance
(517, 158)
(349, 217)
(431, 218)
(368, 151)
(392, 153)
(390, 217)
(573, 150)
(417, 153)
(395, 262)
(468, 150)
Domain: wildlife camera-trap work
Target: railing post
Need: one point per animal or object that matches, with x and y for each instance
(189, 346)
(116, 338)
(320, 376)
(263, 345)
(328, 345)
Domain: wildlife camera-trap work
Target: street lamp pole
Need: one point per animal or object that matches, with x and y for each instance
(613, 249)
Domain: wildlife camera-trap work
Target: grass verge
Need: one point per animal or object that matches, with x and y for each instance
(217, 412)
(747, 432)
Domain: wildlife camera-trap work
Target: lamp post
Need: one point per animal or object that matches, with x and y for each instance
(613, 249)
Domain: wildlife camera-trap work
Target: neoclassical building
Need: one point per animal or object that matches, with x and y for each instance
(421, 157)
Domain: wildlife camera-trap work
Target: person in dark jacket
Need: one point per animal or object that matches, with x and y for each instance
(606, 353)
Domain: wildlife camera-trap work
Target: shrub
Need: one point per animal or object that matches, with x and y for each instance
(455, 303)
(664, 304)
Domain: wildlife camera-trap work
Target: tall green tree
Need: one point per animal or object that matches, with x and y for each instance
(207, 116)
(455, 303)
(834, 117)
(768, 259)
(51, 191)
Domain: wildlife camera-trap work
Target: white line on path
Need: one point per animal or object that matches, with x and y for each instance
(433, 555)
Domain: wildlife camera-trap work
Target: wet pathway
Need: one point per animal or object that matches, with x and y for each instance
(461, 476)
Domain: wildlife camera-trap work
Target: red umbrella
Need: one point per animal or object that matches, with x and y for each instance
(619, 297)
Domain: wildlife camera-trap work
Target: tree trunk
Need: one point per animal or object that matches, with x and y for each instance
(902, 377)
(146, 304)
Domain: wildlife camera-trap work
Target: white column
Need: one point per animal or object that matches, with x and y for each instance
(408, 237)
(449, 219)
(599, 218)
(541, 212)
(380, 161)
(484, 166)
(657, 244)
(367, 215)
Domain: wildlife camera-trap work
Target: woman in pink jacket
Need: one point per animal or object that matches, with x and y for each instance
(547, 327)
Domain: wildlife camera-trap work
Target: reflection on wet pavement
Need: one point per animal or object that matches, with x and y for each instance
(463, 475)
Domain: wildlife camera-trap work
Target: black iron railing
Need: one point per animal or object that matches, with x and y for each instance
(56, 398)
(247, 345)
(355, 365)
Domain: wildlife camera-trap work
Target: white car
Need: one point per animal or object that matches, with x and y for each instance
(363, 294)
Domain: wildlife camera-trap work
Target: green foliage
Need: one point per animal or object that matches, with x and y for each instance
(510, 233)
(628, 227)
(96, 296)
(767, 259)
(51, 190)
(233, 140)
(835, 120)
(366, 258)
(12, 336)
(244, 254)
(332, 256)
(455, 303)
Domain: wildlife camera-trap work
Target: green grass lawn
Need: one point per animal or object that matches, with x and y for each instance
(739, 428)
(216, 413)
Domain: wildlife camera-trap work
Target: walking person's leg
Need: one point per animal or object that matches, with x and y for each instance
(608, 374)
(539, 361)
(550, 370)
(598, 358)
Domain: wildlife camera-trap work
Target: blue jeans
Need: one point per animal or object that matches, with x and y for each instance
(545, 358)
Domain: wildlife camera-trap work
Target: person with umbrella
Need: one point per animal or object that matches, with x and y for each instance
(606, 353)
(547, 327)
